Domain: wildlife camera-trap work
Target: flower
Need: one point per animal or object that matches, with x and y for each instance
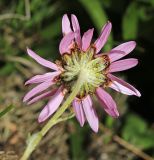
(79, 54)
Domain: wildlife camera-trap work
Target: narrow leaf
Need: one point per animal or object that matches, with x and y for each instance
(6, 110)
(130, 22)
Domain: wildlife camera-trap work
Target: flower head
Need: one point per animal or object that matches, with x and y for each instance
(80, 55)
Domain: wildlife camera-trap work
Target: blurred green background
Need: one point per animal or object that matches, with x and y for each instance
(37, 24)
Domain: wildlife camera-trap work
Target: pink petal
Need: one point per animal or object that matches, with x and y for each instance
(66, 28)
(65, 43)
(113, 54)
(126, 47)
(39, 88)
(76, 28)
(77, 105)
(51, 106)
(86, 39)
(42, 78)
(123, 65)
(107, 102)
(42, 61)
(121, 86)
(42, 96)
(99, 43)
(90, 113)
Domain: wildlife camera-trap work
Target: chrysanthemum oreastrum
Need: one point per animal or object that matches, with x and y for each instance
(81, 57)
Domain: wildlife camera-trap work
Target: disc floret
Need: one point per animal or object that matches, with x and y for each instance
(92, 68)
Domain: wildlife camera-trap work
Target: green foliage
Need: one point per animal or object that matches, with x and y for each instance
(6, 110)
(137, 132)
(109, 122)
(77, 139)
(40, 11)
(6, 69)
(135, 14)
(52, 30)
(130, 22)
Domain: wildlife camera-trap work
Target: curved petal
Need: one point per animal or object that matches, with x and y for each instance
(126, 47)
(86, 39)
(77, 105)
(123, 65)
(42, 61)
(51, 106)
(42, 96)
(121, 86)
(90, 113)
(39, 88)
(65, 43)
(76, 29)
(107, 102)
(99, 43)
(42, 78)
(66, 28)
(114, 54)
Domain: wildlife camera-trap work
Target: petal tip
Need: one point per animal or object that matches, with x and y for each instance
(109, 23)
(133, 44)
(42, 117)
(138, 94)
(116, 115)
(28, 50)
(92, 29)
(26, 83)
(82, 124)
(74, 18)
(95, 129)
(73, 15)
(65, 15)
(24, 99)
(136, 60)
(40, 120)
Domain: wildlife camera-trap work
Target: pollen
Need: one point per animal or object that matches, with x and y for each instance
(93, 69)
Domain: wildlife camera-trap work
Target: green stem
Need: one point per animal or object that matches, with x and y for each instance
(36, 138)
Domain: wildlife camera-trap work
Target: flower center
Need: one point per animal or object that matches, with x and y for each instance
(92, 68)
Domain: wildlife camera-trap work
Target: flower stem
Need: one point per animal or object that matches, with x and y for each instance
(36, 138)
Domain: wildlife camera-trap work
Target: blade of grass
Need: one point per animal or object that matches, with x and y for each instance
(130, 21)
(6, 110)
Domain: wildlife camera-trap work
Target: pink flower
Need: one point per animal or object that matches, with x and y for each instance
(80, 54)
